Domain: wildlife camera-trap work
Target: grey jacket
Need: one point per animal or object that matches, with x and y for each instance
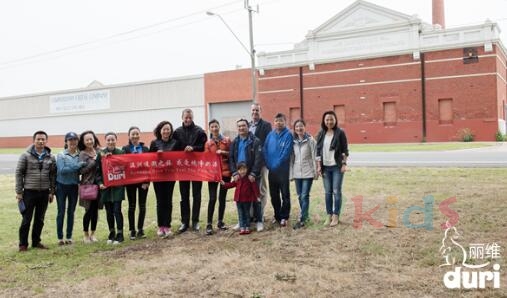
(33, 174)
(303, 159)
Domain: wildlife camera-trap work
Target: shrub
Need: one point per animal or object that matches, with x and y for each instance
(500, 137)
(466, 135)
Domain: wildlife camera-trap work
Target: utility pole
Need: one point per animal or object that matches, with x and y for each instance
(252, 50)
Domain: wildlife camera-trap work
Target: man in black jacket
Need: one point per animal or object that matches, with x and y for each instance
(190, 138)
(260, 128)
(35, 187)
(247, 148)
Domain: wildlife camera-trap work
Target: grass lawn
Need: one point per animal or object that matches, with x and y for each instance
(318, 261)
(417, 146)
(394, 147)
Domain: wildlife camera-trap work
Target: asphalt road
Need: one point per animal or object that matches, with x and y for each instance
(8, 163)
(493, 156)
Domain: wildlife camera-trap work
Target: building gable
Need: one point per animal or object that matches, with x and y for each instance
(358, 16)
(364, 30)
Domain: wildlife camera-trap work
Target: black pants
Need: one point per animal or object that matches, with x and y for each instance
(91, 216)
(35, 202)
(132, 198)
(164, 193)
(222, 194)
(279, 185)
(185, 201)
(113, 212)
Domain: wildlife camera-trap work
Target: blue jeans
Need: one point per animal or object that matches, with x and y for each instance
(65, 193)
(303, 187)
(333, 180)
(244, 214)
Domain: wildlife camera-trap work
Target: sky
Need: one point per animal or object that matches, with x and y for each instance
(56, 45)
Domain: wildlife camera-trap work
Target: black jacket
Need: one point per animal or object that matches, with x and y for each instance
(159, 144)
(338, 144)
(126, 148)
(192, 135)
(262, 130)
(254, 159)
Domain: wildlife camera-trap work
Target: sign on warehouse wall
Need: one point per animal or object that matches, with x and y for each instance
(79, 102)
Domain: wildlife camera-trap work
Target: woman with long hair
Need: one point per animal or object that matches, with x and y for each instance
(89, 148)
(332, 154)
(163, 142)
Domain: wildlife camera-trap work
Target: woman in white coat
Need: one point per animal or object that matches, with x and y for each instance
(303, 168)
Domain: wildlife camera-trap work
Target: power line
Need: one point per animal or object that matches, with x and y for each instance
(23, 60)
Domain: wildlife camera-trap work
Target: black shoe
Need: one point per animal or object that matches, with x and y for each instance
(298, 225)
(39, 246)
(111, 236)
(221, 226)
(132, 235)
(196, 227)
(209, 229)
(183, 228)
(140, 234)
(119, 238)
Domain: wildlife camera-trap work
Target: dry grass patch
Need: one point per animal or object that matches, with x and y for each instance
(281, 262)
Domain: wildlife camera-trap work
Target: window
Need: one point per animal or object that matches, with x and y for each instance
(470, 55)
(390, 117)
(445, 111)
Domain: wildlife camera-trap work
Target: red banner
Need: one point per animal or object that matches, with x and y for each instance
(125, 169)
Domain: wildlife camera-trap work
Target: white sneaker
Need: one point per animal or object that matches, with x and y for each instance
(260, 227)
(109, 241)
(86, 240)
(236, 227)
(93, 238)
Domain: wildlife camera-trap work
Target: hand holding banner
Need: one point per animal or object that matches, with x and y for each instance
(126, 169)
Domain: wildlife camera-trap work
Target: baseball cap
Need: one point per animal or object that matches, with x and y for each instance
(71, 135)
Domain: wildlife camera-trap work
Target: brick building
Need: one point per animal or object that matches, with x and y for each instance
(390, 77)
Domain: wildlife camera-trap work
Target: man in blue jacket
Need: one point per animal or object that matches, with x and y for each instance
(277, 151)
(247, 148)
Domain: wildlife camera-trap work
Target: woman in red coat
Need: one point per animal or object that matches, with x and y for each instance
(220, 145)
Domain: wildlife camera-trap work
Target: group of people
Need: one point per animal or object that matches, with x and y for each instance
(259, 158)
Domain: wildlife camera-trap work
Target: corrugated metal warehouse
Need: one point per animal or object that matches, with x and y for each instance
(101, 109)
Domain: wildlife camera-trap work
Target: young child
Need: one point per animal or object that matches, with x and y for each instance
(246, 192)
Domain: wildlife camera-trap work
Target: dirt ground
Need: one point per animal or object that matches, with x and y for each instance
(280, 262)
(317, 261)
